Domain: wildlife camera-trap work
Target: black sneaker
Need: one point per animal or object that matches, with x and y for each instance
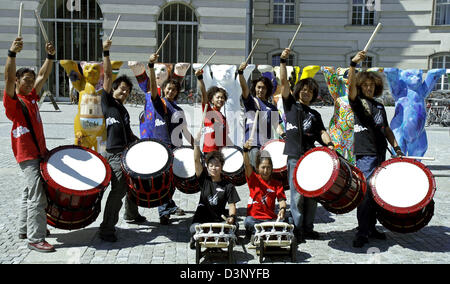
(138, 220)
(377, 235)
(359, 241)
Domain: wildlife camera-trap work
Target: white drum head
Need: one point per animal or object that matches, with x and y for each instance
(276, 149)
(146, 157)
(233, 159)
(401, 184)
(76, 169)
(183, 162)
(314, 171)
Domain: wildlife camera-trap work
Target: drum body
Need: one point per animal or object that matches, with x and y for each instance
(403, 191)
(278, 234)
(215, 234)
(322, 174)
(184, 177)
(276, 148)
(75, 179)
(233, 169)
(147, 165)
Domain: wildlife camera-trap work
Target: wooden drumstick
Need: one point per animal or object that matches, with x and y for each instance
(255, 122)
(295, 35)
(41, 25)
(162, 43)
(206, 62)
(223, 217)
(114, 28)
(372, 37)
(418, 158)
(251, 52)
(19, 31)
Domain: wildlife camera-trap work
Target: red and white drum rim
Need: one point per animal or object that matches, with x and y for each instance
(416, 192)
(275, 160)
(47, 169)
(320, 177)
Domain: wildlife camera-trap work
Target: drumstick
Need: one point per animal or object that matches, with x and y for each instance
(255, 121)
(372, 37)
(295, 35)
(41, 25)
(251, 52)
(114, 28)
(204, 64)
(418, 158)
(19, 32)
(167, 36)
(223, 217)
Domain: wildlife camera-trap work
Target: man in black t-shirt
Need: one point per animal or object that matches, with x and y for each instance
(215, 191)
(371, 131)
(304, 126)
(119, 136)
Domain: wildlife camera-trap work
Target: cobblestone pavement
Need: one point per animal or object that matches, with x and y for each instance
(153, 243)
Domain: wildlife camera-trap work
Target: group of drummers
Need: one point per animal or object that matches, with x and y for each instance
(215, 182)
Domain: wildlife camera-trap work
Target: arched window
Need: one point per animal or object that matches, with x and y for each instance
(441, 60)
(180, 20)
(75, 27)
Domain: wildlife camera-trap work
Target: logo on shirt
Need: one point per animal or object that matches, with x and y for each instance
(213, 199)
(19, 131)
(290, 126)
(111, 121)
(359, 128)
(159, 122)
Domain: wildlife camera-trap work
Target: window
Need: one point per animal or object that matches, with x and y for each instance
(441, 61)
(180, 20)
(276, 60)
(363, 12)
(284, 11)
(442, 12)
(77, 34)
(367, 63)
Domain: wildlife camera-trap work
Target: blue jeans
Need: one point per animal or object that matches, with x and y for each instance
(303, 209)
(366, 211)
(249, 223)
(167, 208)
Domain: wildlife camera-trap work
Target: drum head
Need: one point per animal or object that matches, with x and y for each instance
(183, 162)
(234, 159)
(146, 157)
(276, 149)
(315, 172)
(75, 168)
(402, 185)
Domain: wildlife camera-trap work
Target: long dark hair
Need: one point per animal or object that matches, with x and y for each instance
(361, 77)
(173, 82)
(266, 81)
(311, 83)
(213, 90)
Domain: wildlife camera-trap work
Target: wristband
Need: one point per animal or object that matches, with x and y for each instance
(51, 57)
(245, 150)
(240, 72)
(397, 149)
(233, 215)
(200, 77)
(105, 53)
(353, 64)
(151, 65)
(283, 208)
(283, 60)
(11, 53)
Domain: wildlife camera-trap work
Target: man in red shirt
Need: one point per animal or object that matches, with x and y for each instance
(22, 91)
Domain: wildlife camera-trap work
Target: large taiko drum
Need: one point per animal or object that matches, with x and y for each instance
(233, 168)
(75, 179)
(275, 148)
(147, 165)
(322, 174)
(184, 176)
(403, 191)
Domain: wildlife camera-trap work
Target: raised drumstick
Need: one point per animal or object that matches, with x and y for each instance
(372, 37)
(44, 33)
(114, 28)
(295, 35)
(162, 43)
(251, 52)
(206, 62)
(19, 31)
